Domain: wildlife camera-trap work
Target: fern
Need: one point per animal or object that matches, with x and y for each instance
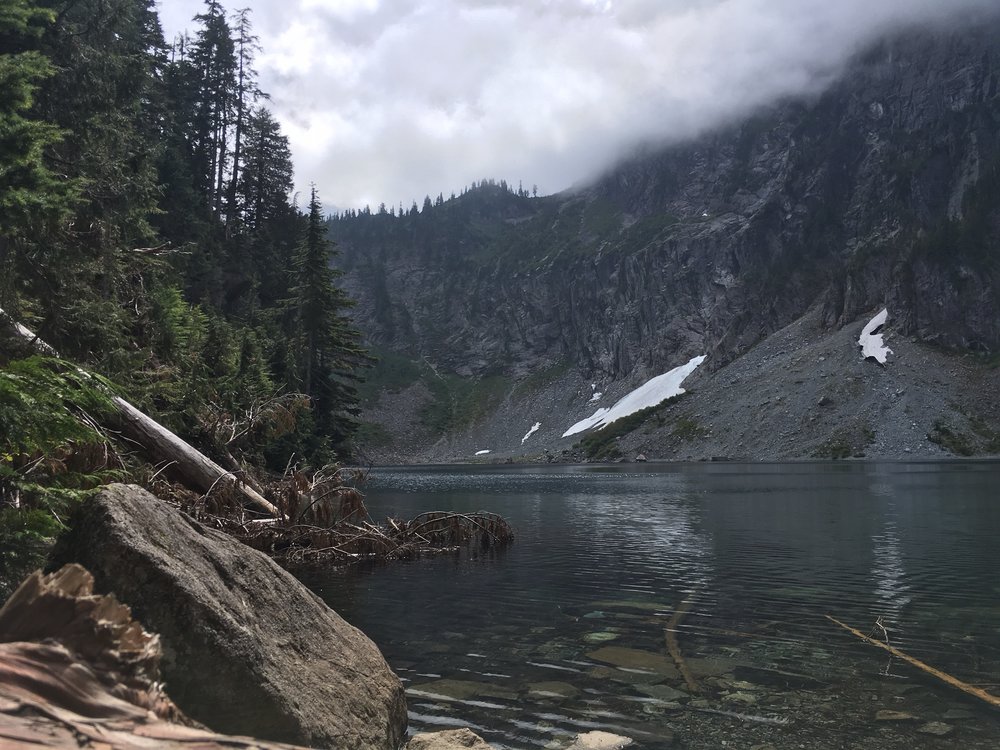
(51, 455)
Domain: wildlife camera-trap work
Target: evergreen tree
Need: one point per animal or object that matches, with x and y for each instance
(329, 351)
(214, 60)
(30, 194)
(246, 95)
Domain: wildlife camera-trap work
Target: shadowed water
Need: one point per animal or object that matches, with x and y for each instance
(565, 630)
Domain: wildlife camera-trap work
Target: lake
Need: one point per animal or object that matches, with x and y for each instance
(733, 567)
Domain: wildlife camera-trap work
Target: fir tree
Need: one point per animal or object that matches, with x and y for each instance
(329, 352)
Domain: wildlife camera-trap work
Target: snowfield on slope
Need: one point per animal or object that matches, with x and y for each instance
(871, 343)
(648, 394)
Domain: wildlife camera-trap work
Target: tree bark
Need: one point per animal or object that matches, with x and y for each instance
(190, 464)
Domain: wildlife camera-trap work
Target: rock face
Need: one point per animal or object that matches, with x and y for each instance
(247, 649)
(881, 191)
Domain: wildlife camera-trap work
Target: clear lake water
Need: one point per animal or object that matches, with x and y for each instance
(569, 629)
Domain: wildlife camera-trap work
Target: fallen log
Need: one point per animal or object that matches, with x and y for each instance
(943, 676)
(191, 465)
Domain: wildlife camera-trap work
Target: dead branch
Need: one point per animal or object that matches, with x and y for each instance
(673, 647)
(943, 676)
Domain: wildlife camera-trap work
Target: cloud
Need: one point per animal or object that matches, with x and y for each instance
(389, 100)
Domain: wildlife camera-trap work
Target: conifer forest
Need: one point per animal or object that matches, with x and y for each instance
(149, 235)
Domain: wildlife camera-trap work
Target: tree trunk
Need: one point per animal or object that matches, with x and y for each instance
(190, 464)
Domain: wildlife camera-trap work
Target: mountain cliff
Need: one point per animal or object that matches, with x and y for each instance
(494, 309)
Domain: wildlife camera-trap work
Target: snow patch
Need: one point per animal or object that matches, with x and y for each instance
(532, 431)
(596, 397)
(481, 453)
(871, 343)
(649, 394)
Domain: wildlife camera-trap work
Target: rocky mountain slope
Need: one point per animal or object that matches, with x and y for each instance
(494, 310)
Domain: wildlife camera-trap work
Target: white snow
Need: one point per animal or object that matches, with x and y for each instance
(596, 397)
(532, 431)
(481, 453)
(649, 394)
(871, 343)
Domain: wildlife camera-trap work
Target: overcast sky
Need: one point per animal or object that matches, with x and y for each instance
(391, 100)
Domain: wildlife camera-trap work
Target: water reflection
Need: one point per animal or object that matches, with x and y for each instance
(565, 630)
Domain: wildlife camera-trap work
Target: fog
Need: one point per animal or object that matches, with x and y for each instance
(392, 100)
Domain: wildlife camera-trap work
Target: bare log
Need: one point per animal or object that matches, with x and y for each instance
(943, 676)
(193, 466)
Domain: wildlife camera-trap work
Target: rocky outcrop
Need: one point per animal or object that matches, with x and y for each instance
(881, 191)
(246, 648)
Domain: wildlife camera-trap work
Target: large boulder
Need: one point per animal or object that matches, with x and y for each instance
(247, 649)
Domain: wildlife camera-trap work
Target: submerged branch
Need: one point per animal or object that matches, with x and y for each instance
(943, 676)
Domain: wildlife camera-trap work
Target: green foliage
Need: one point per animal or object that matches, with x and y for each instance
(461, 402)
(167, 254)
(600, 445)
(951, 439)
(373, 435)
(50, 455)
(540, 378)
(328, 351)
(686, 428)
(391, 373)
(983, 439)
(846, 442)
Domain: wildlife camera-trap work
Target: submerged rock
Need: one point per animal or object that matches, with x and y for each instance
(553, 689)
(600, 741)
(247, 648)
(887, 715)
(936, 728)
(449, 739)
(601, 637)
(632, 658)
(462, 690)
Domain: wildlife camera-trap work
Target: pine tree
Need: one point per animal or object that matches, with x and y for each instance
(246, 95)
(30, 194)
(214, 59)
(101, 97)
(329, 352)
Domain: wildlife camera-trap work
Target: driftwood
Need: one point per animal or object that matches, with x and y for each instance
(94, 681)
(943, 676)
(673, 647)
(351, 536)
(190, 464)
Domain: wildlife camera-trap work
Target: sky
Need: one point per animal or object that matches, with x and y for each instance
(392, 100)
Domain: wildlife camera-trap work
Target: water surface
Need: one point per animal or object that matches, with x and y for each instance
(566, 630)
